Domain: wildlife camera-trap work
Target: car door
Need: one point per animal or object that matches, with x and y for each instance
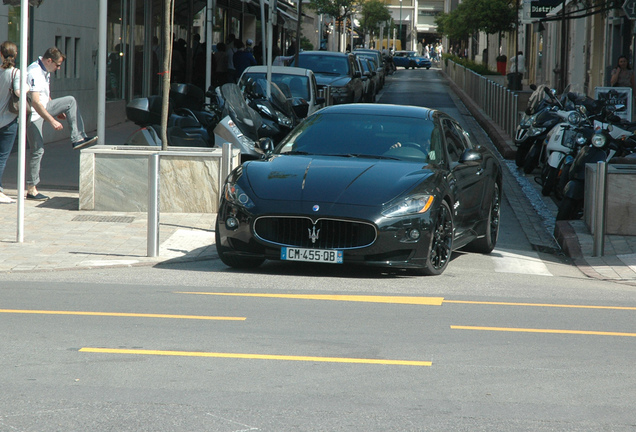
(356, 79)
(466, 179)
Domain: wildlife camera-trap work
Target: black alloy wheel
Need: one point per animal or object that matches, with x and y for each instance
(487, 243)
(441, 247)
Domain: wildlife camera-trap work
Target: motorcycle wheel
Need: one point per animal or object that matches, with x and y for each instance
(568, 208)
(550, 180)
(522, 153)
(564, 178)
(532, 158)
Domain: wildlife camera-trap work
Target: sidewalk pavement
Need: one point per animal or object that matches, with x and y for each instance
(58, 236)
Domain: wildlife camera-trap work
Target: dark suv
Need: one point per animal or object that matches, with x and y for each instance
(337, 70)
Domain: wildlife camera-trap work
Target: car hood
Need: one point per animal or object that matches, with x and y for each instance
(331, 80)
(336, 180)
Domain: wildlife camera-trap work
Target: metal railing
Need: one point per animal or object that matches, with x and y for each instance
(499, 103)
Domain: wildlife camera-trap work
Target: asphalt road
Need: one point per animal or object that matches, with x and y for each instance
(514, 341)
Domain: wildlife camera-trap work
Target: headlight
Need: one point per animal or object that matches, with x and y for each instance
(574, 118)
(339, 90)
(534, 131)
(412, 204)
(236, 195)
(527, 121)
(283, 119)
(265, 109)
(581, 139)
(598, 140)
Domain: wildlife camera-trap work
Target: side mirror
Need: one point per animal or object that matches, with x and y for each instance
(470, 155)
(264, 146)
(357, 74)
(533, 87)
(320, 100)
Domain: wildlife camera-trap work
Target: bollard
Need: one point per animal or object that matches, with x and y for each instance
(599, 210)
(153, 205)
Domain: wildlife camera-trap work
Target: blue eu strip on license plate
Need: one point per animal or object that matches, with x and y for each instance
(311, 255)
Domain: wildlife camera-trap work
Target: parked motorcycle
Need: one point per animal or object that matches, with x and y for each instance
(601, 144)
(190, 122)
(243, 126)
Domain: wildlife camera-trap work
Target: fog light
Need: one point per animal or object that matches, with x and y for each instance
(414, 234)
(231, 223)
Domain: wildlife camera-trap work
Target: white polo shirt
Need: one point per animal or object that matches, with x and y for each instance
(38, 81)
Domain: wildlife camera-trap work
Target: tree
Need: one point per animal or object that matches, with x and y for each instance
(472, 16)
(374, 12)
(338, 9)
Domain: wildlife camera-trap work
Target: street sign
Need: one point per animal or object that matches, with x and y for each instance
(630, 9)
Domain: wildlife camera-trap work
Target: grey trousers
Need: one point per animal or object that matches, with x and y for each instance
(64, 105)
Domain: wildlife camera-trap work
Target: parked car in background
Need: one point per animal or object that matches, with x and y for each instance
(382, 185)
(369, 79)
(340, 71)
(294, 82)
(411, 59)
(378, 58)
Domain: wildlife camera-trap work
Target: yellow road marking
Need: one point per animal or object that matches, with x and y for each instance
(117, 314)
(428, 301)
(552, 331)
(541, 305)
(257, 356)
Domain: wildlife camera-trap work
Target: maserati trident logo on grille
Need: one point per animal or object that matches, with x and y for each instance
(313, 234)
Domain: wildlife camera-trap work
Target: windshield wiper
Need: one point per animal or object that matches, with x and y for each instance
(364, 156)
(296, 152)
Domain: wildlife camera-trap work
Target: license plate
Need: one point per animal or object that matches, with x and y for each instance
(311, 255)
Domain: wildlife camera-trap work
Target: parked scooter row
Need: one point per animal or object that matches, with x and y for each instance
(573, 130)
(241, 118)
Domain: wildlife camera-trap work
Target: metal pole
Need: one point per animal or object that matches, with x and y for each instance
(401, 44)
(101, 71)
(153, 205)
(22, 118)
(599, 216)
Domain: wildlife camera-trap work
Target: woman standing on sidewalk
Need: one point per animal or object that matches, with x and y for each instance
(8, 120)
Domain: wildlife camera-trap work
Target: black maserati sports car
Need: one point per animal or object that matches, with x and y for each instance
(383, 185)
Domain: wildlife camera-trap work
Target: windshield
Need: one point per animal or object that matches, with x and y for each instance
(298, 85)
(358, 135)
(247, 120)
(326, 64)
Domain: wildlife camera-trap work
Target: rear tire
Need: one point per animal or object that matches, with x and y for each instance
(487, 243)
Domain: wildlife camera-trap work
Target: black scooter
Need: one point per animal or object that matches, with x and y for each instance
(190, 123)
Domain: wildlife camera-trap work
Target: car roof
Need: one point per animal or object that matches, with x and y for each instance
(326, 53)
(381, 109)
(284, 70)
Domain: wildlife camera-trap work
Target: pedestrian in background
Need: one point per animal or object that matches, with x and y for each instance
(44, 108)
(622, 74)
(242, 58)
(9, 77)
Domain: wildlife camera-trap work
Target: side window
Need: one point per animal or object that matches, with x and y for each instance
(436, 155)
(454, 140)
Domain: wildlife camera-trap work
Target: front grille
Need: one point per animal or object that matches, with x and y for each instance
(324, 234)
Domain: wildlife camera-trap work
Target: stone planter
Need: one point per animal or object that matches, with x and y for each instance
(115, 178)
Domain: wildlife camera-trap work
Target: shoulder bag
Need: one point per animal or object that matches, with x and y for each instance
(14, 100)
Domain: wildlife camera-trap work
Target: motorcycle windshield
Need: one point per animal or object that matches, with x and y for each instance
(245, 118)
(257, 88)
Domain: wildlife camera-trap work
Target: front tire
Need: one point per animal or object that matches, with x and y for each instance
(441, 247)
(549, 180)
(234, 261)
(568, 209)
